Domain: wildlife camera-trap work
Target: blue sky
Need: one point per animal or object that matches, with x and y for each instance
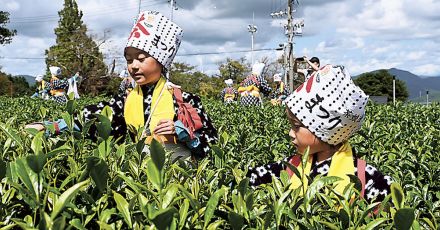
(362, 35)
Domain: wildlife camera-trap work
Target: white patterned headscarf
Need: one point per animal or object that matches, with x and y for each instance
(329, 104)
(55, 70)
(257, 68)
(39, 78)
(156, 35)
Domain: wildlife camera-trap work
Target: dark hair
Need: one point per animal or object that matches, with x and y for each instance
(314, 59)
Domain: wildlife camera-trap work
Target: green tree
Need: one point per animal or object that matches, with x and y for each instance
(75, 51)
(5, 84)
(5, 33)
(380, 83)
(13, 86)
(20, 86)
(194, 81)
(234, 69)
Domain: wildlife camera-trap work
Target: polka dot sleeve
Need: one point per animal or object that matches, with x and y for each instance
(263, 174)
(264, 86)
(116, 104)
(377, 185)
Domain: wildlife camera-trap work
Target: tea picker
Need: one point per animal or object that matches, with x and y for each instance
(253, 86)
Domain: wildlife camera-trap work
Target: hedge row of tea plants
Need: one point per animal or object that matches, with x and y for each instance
(70, 182)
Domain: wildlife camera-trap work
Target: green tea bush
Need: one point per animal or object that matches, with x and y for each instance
(68, 181)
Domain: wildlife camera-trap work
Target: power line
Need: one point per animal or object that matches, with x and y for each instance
(98, 12)
(179, 55)
(226, 52)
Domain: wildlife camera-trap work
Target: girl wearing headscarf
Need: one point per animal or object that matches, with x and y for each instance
(154, 103)
(154, 107)
(253, 86)
(57, 87)
(229, 94)
(281, 92)
(324, 112)
(41, 87)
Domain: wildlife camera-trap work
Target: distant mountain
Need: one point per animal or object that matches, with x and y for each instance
(30, 79)
(416, 85)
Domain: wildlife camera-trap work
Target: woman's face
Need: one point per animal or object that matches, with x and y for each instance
(144, 69)
(303, 137)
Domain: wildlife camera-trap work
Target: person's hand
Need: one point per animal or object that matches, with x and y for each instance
(36, 125)
(165, 126)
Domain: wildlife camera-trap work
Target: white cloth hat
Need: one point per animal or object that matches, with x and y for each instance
(257, 68)
(156, 35)
(329, 104)
(229, 82)
(39, 78)
(277, 77)
(55, 70)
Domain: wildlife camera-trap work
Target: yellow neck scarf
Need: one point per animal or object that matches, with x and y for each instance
(341, 165)
(42, 85)
(162, 107)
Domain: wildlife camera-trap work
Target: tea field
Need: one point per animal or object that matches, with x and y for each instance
(70, 182)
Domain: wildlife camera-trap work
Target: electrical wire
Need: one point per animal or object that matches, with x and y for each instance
(178, 55)
(93, 13)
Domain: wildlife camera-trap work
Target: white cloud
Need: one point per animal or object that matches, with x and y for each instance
(416, 55)
(427, 70)
(11, 5)
(363, 35)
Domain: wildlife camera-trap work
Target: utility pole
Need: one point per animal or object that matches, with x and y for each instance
(427, 97)
(252, 29)
(292, 28)
(173, 7)
(139, 7)
(289, 47)
(394, 90)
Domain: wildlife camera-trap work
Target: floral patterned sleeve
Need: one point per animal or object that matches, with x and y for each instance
(264, 86)
(57, 84)
(116, 104)
(377, 185)
(207, 134)
(263, 174)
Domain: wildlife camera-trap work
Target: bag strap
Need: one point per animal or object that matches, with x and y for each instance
(178, 95)
(361, 164)
(190, 117)
(295, 160)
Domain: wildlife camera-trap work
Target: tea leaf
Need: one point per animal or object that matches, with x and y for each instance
(122, 206)
(397, 195)
(212, 205)
(98, 171)
(157, 154)
(65, 198)
(403, 219)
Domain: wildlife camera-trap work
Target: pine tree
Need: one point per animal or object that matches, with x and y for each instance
(5, 33)
(75, 51)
